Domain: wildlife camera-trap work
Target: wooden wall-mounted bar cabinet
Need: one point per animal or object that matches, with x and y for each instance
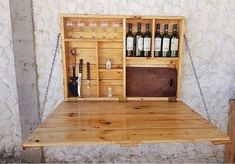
(130, 118)
(99, 38)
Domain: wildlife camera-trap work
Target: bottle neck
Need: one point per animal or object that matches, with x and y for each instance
(166, 30)
(147, 30)
(139, 28)
(158, 30)
(130, 28)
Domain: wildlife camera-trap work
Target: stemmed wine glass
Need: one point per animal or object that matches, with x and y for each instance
(104, 26)
(80, 25)
(115, 26)
(92, 26)
(69, 27)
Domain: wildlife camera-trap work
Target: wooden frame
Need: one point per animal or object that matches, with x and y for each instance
(98, 49)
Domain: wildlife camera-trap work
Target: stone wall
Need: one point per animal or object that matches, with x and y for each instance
(210, 28)
(10, 133)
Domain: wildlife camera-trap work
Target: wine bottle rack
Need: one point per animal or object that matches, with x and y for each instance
(98, 38)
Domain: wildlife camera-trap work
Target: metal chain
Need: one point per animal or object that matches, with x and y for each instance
(50, 76)
(197, 79)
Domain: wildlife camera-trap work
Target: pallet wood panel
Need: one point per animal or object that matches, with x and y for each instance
(116, 91)
(98, 44)
(127, 123)
(229, 156)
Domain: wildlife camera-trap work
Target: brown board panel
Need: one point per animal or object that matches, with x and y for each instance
(151, 82)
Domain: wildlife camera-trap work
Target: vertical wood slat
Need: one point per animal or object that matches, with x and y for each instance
(180, 53)
(97, 71)
(124, 57)
(229, 156)
(153, 32)
(65, 69)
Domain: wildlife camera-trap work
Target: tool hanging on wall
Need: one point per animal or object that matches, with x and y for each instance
(88, 85)
(73, 85)
(79, 87)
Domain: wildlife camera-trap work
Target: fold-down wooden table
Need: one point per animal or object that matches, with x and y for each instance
(135, 122)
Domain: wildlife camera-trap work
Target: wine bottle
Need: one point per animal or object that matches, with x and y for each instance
(147, 42)
(166, 42)
(139, 42)
(157, 42)
(174, 42)
(129, 41)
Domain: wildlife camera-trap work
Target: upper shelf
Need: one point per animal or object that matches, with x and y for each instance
(92, 40)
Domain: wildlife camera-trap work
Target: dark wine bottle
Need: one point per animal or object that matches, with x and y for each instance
(158, 42)
(166, 42)
(129, 41)
(147, 42)
(174, 42)
(139, 42)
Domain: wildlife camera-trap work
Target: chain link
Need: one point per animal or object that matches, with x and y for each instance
(50, 77)
(197, 79)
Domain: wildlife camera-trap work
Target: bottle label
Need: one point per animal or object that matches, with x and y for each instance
(140, 43)
(158, 44)
(174, 44)
(166, 44)
(130, 43)
(147, 43)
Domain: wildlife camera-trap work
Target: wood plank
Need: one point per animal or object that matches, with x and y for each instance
(111, 75)
(110, 45)
(132, 122)
(104, 82)
(41, 138)
(151, 61)
(116, 90)
(93, 72)
(82, 45)
(115, 55)
(229, 156)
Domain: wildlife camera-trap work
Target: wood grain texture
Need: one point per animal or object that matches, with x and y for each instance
(133, 122)
(229, 156)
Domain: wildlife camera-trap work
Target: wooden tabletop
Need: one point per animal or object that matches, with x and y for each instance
(134, 122)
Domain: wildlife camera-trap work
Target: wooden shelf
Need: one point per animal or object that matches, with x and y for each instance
(110, 70)
(91, 40)
(125, 123)
(151, 60)
(93, 99)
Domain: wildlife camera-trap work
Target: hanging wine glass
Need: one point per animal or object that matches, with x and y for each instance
(69, 27)
(104, 26)
(92, 26)
(80, 25)
(115, 26)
